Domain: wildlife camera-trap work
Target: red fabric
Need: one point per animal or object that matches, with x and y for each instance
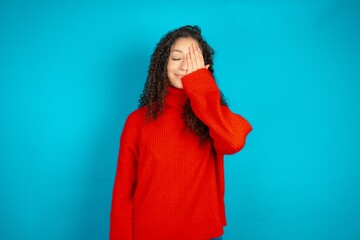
(167, 186)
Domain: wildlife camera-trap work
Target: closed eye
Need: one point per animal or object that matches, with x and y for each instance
(176, 59)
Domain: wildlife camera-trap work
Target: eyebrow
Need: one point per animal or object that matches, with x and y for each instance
(176, 50)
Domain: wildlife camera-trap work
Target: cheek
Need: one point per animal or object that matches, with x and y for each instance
(174, 65)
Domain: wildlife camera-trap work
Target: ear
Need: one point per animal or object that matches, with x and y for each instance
(207, 66)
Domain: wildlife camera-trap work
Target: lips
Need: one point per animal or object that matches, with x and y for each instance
(179, 75)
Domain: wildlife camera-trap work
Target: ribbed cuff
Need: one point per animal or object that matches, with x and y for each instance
(200, 79)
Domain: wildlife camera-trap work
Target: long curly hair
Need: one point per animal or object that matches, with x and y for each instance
(156, 85)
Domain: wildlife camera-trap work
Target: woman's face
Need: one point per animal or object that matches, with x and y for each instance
(177, 65)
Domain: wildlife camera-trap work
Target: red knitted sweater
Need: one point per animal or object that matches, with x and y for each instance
(167, 186)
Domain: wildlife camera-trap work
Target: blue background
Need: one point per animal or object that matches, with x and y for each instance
(71, 72)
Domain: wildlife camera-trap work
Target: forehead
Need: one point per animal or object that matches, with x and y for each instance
(183, 44)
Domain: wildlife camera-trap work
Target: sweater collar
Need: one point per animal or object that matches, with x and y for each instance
(175, 97)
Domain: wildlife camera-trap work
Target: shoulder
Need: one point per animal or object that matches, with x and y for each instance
(133, 125)
(136, 118)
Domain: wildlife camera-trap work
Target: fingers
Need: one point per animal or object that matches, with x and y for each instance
(199, 57)
(190, 63)
(195, 59)
(194, 55)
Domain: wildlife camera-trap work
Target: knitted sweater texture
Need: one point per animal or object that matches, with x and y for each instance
(167, 185)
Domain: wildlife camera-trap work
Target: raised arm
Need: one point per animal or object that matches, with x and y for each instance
(227, 129)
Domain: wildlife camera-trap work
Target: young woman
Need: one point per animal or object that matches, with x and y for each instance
(169, 182)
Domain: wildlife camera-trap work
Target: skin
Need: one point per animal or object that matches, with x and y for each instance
(185, 57)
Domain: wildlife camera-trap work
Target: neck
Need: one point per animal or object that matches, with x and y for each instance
(175, 97)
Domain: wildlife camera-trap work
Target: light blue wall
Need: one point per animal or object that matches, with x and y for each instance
(71, 72)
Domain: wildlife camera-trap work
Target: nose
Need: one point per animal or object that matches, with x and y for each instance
(184, 65)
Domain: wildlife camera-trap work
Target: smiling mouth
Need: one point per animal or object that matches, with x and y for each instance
(179, 75)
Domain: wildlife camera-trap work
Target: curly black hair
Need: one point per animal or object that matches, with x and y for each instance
(157, 82)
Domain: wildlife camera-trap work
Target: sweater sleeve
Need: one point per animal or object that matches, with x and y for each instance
(227, 129)
(121, 216)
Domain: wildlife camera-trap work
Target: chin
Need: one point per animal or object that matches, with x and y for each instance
(176, 83)
(178, 86)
